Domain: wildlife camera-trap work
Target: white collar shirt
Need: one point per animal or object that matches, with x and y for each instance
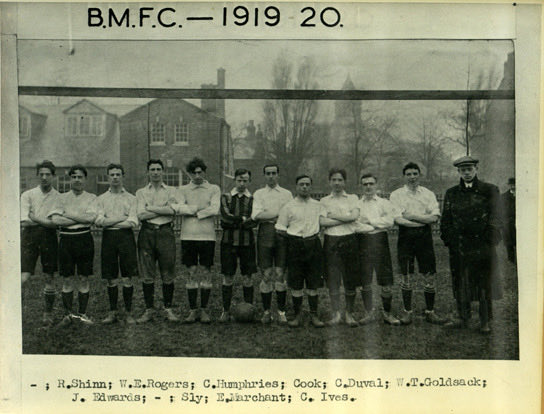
(376, 215)
(235, 192)
(163, 196)
(112, 204)
(301, 218)
(421, 201)
(69, 202)
(270, 200)
(343, 204)
(37, 202)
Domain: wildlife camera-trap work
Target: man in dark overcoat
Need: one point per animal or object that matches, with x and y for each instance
(471, 228)
(509, 225)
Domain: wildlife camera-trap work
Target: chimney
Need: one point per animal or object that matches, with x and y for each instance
(215, 106)
(220, 78)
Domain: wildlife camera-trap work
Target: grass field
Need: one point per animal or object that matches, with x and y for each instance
(419, 340)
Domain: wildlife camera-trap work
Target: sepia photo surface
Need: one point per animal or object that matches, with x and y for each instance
(366, 102)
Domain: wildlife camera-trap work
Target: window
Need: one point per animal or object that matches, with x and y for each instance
(157, 133)
(63, 184)
(85, 125)
(181, 133)
(24, 126)
(175, 177)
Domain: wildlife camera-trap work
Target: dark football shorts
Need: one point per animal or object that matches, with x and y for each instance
(229, 259)
(197, 252)
(39, 241)
(375, 256)
(118, 251)
(157, 244)
(270, 247)
(304, 262)
(416, 242)
(76, 251)
(341, 262)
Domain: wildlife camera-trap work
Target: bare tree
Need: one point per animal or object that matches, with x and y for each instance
(364, 137)
(289, 124)
(468, 122)
(429, 147)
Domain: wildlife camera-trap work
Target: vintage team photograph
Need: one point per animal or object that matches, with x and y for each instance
(293, 199)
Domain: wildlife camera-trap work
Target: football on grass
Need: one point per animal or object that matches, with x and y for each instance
(243, 312)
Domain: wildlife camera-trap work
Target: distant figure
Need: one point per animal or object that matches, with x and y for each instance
(470, 228)
(509, 225)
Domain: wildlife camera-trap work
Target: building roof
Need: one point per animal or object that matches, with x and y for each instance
(51, 143)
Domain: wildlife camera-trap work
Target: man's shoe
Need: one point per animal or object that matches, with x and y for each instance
(390, 319)
(350, 320)
(455, 324)
(147, 316)
(170, 315)
(406, 318)
(295, 323)
(111, 318)
(84, 319)
(267, 317)
(225, 317)
(317, 323)
(282, 319)
(433, 318)
(204, 317)
(336, 319)
(368, 318)
(130, 319)
(192, 317)
(65, 321)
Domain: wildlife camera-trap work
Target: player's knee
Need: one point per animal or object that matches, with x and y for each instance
(429, 283)
(68, 284)
(168, 278)
(280, 286)
(297, 293)
(266, 286)
(247, 281)
(367, 288)
(350, 292)
(113, 282)
(311, 292)
(84, 285)
(278, 272)
(126, 282)
(406, 282)
(387, 291)
(228, 280)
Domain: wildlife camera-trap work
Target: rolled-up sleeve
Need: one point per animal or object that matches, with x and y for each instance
(257, 205)
(132, 215)
(25, 206)
(213, 208)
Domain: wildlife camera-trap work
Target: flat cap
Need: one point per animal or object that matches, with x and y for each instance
(466, 160)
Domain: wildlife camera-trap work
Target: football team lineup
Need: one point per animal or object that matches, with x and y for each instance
(288, 248)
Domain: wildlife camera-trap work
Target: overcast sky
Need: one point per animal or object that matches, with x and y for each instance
(388, 64)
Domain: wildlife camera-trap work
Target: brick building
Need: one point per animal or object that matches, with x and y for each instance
(175, 131)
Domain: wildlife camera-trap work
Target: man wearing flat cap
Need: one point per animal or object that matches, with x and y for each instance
(470, 228)
(509, 224)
